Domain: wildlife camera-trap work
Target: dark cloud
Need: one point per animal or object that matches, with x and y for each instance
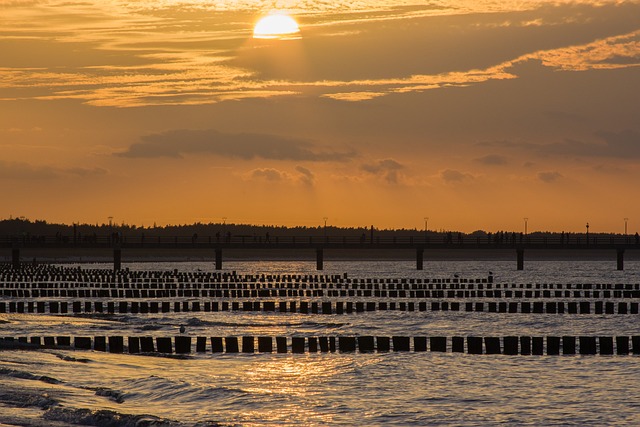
(549, 176)
(387, 169)
(246, 146)
(451, 176)
(624, 144)
(492, 160)
(621, 144)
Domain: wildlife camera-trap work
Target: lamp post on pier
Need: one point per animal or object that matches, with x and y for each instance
(587, 233)
(325, 228)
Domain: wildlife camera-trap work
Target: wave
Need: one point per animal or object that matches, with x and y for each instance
(70, 358)
(160, 389)
(28, 376)
(115, 395)
(105, 418)
(195, 322)
(19, 399)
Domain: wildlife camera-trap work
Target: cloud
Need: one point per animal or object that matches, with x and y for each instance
(245, 146)
(303, 176)
(451, 176)
(623, 144)
(492, 160)
(19, 170)
(269, 174)
(387, 169)
(306, 176)
(549, 176)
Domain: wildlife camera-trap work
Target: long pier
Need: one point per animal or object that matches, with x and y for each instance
(580, 246)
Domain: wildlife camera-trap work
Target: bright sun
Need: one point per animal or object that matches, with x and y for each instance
(276, 26)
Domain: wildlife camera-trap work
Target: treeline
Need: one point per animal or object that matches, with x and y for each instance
(24, 227)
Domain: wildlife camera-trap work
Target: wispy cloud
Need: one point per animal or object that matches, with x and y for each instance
(624, 144)
(492, 160)
(135, 56)
(452, 176)
(22, 170)
(549, 176)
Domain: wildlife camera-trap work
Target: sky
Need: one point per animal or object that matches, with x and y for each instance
(473, 114)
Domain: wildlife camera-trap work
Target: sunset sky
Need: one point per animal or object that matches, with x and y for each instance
(475, 114)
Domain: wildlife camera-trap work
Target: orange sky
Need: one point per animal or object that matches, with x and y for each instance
(475, 114)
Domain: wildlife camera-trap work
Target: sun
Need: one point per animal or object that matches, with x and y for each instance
(276, 26)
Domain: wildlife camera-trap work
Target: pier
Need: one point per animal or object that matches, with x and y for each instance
(615, 247)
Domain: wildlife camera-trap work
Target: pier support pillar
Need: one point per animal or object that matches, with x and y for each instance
(319, 259)
(117, 259)
(15, 258)
(520, 254)
(419, 258)
(620, 259)
(218, 259)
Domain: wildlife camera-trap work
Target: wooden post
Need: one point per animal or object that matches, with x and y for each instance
(116, 344)
(438, 344)
(218, 259)
(183, 344)
(401, 343)
(347, 344)
(319, 259)
(620, 259)
(510, 345)
(383, 344)
(520, 253)
(419, 258)
(117, 259)
(15, 258)
(366, 344)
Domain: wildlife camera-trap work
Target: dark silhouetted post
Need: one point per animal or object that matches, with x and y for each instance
(117, 258)
(218, 259)
(319, 259)
(620, 259)
(419, 258)
(520, 253)
(116, 344)
(183, 345)
(216, 345)
(297, 344)
(383, 344)
(15, 258)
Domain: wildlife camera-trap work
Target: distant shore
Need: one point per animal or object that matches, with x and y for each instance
(77, 255)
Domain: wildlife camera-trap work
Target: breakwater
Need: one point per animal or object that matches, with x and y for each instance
(508, 345)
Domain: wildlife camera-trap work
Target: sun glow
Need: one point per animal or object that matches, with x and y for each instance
(276, 26)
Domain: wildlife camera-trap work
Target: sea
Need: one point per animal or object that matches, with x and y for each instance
(57, 387)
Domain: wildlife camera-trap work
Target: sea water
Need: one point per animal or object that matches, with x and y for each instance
(66, 387)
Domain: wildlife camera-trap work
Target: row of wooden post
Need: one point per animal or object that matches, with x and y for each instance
(316, 293)
(317, 307)
(508, 345)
